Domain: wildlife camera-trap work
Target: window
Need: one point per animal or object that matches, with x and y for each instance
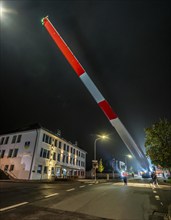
(2, 140)
(59, 144)
(15, 152)
(13, 139)
(50, 140)
(27, 144)
(10, 153)
(71, 150)
(79, 154)
(54, 156)
(2, 154)
(19, 138)
(63, 159)
(56, 143)
(64, 146)
(47, 139)
(44, 153)
(39, 169)
(59, 157)
(11, 167)
(67, 148)
(45, 169)
(6, 167)
(67, 159)
(48, 154)
(43, 138)
(52, 170)
(41, 152)
(6, 140)
(71, 160)
(74, 151)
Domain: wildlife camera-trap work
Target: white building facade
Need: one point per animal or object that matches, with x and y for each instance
(34, 153)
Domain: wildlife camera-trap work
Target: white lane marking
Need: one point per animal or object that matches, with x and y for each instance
(161, 203)
(54, 194)
(13, 206)
(157, 197)
(82, 186)
(90, 184)
(154, 191)
(68, 190)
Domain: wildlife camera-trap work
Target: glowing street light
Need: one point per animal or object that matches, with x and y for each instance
(126, 161)
(100, 137)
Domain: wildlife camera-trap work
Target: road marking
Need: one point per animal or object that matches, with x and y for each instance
(82, 186)
(90, 184)
(54, 194)
(161, 203)
(154, 191)
(157, 197)
(68, 190)
(13, 206)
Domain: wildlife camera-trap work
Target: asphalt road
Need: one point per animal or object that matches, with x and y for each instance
(83, 200)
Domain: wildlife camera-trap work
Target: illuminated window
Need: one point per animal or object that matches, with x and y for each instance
(39, 169)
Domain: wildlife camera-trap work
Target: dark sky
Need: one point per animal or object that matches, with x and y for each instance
(124, 47)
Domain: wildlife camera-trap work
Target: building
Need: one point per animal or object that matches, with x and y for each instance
(35, 153)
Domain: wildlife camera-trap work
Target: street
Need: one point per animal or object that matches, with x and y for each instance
(83, 200)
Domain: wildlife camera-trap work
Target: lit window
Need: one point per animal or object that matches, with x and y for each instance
(39, 169)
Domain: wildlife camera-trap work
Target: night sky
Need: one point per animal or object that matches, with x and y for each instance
(124, 46)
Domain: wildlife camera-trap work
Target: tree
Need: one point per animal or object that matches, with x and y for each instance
(158, 143)
(100, 167)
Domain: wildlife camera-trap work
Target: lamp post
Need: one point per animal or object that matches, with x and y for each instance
(95, 161)
(126, 161)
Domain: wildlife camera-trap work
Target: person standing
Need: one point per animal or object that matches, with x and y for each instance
(154, 179)
(125, 178)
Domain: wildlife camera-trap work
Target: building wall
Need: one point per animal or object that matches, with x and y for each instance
(21, 161)
(41, 155)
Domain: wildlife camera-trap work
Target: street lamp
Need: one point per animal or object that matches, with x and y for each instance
(95, 161)
(126, 162)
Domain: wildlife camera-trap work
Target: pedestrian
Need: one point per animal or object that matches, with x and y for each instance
(125, 178)
(154, 179)
(133, 174)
